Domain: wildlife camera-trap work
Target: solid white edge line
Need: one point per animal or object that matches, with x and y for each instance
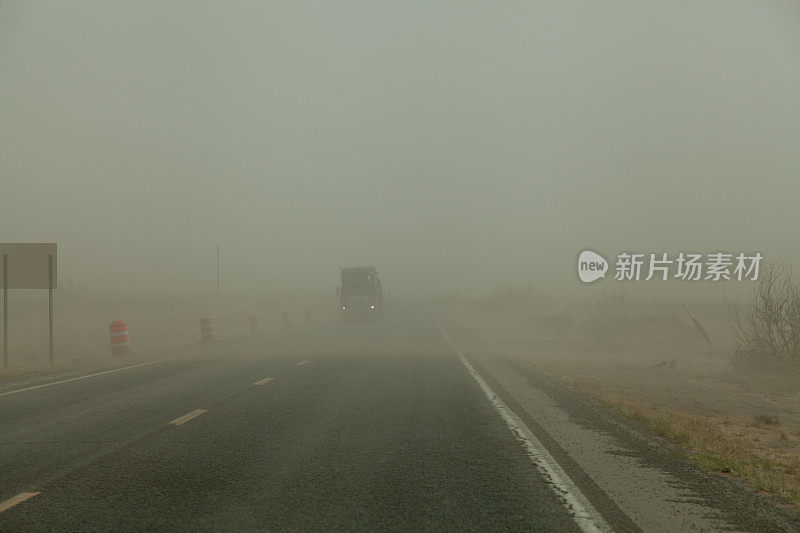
(582, 511)
(82, 377)
(43, 385)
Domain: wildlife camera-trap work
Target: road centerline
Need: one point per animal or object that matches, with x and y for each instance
(16, 500)
(188, 416)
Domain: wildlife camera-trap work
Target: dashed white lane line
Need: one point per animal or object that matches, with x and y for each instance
(34, 387)
(188, 416)
(264, 381)
(582, 511)
(16, 500)
(303, 362)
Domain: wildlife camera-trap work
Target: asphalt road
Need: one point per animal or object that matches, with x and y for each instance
(352, 426)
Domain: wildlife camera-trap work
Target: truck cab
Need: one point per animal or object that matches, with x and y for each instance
(360, 293)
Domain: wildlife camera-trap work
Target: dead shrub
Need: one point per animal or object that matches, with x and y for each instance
(769, 328)
(767, 420)
(613, 301)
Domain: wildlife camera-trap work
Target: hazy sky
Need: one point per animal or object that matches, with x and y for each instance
(451, 144)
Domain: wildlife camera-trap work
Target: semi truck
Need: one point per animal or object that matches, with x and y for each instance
(360, 293)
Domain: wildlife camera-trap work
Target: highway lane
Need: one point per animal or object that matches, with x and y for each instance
(380, 428)
(375, 426)
(49, 431)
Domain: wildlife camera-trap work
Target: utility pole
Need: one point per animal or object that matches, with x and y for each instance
(50, 303)
(218, 251)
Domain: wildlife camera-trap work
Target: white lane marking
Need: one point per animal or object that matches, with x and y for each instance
(303, 362)
(34, 387)
(16, 500)
(188, 416)
(264, 381)
(83, 377)
(582, 511)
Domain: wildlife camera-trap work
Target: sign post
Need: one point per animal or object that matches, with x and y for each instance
(28, 266)
(50, 302)
(5, 310)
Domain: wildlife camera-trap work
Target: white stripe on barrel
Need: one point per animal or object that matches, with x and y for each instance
(206, 329)
(120, 340)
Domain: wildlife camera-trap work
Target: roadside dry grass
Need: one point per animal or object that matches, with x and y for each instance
(730, 420)
(759, 451)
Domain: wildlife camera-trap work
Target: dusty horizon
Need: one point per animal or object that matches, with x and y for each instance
(456, 150)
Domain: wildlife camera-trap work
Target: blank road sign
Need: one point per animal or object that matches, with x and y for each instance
(28, 265)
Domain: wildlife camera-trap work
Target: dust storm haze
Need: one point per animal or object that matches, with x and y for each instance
(471, 152)
(454, 146)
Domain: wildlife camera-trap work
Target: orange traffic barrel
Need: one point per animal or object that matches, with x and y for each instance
(206, 329)
(254, 327)
(120, 340)
(286, 319)
(309, 319)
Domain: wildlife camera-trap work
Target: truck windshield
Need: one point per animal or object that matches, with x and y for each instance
(356, 277)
